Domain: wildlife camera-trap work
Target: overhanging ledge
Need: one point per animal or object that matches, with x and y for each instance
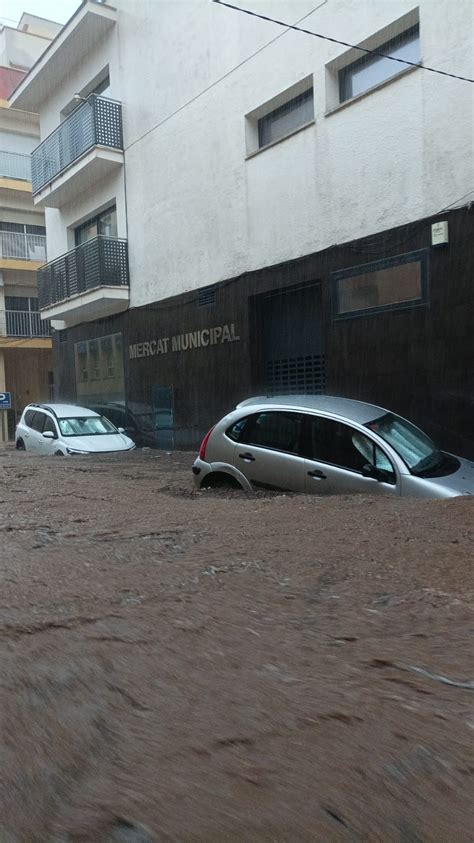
(86, 307)
(79, 35)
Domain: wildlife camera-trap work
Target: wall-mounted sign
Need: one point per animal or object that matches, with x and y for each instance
(5, 400)
(184, 342)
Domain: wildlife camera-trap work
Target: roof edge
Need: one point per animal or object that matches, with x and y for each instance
(19, 97)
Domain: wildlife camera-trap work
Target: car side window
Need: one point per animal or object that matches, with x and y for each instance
(49, 426)
(339, 444)
(236, 430)
(37, 421)
(28, 417)
(277, 430)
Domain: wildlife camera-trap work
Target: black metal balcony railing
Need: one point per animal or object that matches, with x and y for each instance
(95, 122)
(102, 261)
(23, 323)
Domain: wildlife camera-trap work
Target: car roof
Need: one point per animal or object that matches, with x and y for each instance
(64, 410)
(357, 411)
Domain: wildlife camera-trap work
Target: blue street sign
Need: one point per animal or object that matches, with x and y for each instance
(5, 400)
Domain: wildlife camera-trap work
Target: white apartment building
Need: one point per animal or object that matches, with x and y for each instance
(234, 206)
(25, 339)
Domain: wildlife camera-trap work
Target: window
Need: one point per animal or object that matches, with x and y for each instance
(416, 449)
(104, 223)
(29, 417)
(280, 431)
(87, 426)
(286, 119)
(341, 445)
(103, 87)
(280, 117)
(38, 421)
(49, 426)
(99, 370)
(391, 283)
(236, 431)
(370, 70)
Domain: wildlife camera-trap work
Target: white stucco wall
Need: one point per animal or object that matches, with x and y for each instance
(21, 49)
(188, 72)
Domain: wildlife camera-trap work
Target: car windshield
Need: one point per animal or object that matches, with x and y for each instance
(86, 426)
(415, 448)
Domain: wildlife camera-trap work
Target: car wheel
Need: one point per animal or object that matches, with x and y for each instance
(20, 445)
(58, 454)
(220, 480)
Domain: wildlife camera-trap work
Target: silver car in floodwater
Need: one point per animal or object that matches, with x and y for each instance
(324, 445)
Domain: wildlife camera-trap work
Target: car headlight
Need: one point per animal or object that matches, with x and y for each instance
(75, 451)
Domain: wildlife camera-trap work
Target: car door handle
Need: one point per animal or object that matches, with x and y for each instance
(247, 457)
(317, 474)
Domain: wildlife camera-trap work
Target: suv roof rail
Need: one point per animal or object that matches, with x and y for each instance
(43, 407)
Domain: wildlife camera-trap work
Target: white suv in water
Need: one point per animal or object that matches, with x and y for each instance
(63, 429)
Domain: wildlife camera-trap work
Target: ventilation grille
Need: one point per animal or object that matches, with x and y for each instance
(207, 296)
(296, 375)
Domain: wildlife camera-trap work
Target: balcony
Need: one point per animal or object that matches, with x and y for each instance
(14, 165)
(82, 150)
(16, 247)
(23, 323)
(87, 283)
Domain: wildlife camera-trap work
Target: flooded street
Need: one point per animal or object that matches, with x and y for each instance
(202, 666)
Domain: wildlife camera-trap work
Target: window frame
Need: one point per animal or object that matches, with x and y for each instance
(280, 100)
(307, 441)
(94, 220)
(53, 427)
(279, 110)
(421, 256)
(369, 58)
(42, 415)
(249, 427)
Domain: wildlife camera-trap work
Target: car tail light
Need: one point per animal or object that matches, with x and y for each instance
(202, 449)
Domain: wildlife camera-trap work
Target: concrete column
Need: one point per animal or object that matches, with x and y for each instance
(3, 414)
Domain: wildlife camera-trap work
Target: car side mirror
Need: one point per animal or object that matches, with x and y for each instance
(121, 429)
(48, 434)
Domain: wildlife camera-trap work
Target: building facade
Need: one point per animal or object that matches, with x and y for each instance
(233, 207)
(26, 368)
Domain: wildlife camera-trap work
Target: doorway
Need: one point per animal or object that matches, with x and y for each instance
(290, 358)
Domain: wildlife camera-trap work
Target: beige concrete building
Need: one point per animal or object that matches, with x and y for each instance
(25, 340)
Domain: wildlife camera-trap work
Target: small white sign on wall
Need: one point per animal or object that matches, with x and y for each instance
(439, 233)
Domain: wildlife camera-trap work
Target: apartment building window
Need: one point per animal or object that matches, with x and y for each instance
(393, 283)
(286, 119)
(103, 223)
(370, 71)
(280, 117)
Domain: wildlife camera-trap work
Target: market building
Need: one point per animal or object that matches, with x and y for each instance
(26, 369)
(234, 208)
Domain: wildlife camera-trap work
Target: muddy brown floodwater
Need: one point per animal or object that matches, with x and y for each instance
(194, 666)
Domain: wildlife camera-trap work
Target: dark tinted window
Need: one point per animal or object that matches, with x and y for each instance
(339, 444)
(280, 431)
(37, 421)
(236, 431)
(49, 425)
(28, 417)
